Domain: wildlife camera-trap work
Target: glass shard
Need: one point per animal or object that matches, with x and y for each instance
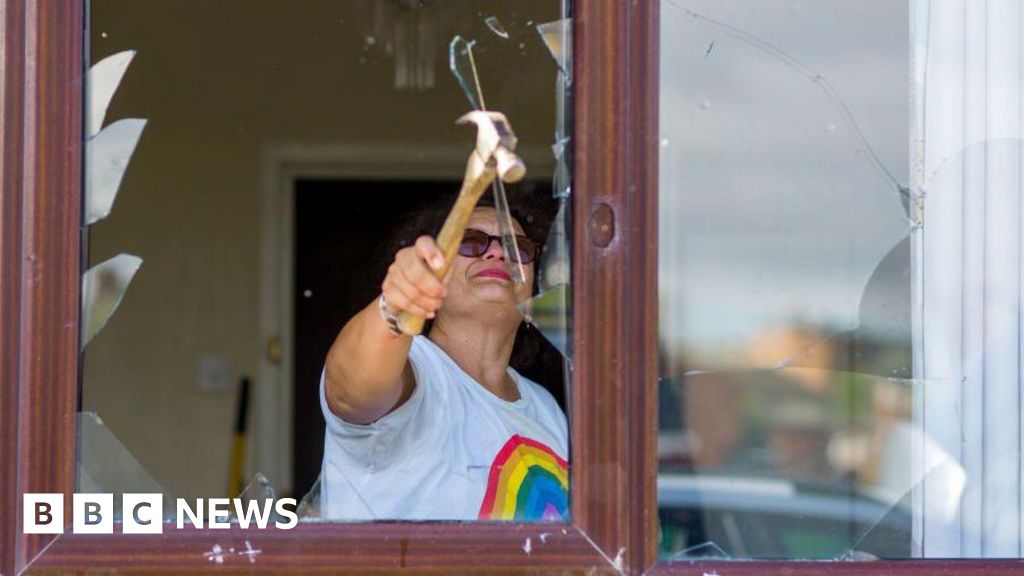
(107, 157)
(704, 550)
(557, 36)
(177, 207)
(495, 25)
(101, 83)
(555, 261)
(106, 466)
(563, 172)
(462, 65)
(103, 288)
(549, 313)
(513, 263)
(309, 506)
(551, 310)
(258, 496)
(258, 488)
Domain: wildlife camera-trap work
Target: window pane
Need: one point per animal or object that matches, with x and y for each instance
(787, 417)
(254, 167)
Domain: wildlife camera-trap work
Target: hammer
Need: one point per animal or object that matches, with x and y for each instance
(494, 156)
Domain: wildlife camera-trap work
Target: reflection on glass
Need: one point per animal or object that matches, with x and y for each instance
(786, 403)
(103, 288)
(102, 81)
(557, 37)
(970, 306)
(107, 156)
(795, 463)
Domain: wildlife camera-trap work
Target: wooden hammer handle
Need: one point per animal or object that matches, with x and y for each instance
(478, 177)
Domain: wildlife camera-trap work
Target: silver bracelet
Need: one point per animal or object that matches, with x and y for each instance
(390, 319)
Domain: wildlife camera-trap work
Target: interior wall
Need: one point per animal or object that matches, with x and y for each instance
(219, 82)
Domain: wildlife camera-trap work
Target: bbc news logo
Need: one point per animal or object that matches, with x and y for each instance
(144, 513)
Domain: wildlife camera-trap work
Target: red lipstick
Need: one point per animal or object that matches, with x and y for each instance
(494, 273)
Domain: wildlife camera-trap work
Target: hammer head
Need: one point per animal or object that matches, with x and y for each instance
(496, 141)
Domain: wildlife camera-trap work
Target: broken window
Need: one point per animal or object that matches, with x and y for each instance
(839, 283)
(787, 398)
(249, 166)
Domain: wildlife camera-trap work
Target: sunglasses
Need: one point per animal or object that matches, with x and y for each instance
(475, 244)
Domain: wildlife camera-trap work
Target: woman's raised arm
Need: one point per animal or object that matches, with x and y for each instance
(367, 368)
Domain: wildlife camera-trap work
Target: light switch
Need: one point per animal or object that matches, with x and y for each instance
(214, 374)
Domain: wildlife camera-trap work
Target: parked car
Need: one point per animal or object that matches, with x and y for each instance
(741, 517)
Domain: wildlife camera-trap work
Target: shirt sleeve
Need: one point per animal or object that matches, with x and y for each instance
(396, 435)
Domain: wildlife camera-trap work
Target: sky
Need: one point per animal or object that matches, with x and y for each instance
(773, 211)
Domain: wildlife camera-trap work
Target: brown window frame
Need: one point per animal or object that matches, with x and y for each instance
(613, 500)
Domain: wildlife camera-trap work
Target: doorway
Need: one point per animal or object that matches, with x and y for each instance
(344, 239)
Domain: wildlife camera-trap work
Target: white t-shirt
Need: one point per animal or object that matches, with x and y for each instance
(453, 451)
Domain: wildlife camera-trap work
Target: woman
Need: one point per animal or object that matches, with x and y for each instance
(439, 427)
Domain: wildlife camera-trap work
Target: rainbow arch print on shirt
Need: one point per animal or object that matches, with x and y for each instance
(527, 482)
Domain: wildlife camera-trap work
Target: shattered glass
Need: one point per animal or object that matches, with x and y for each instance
(463, 66)
(258, 488)
(550, 311)
(773, 204)
(509, 245)
(971, 305)
(188, 171)
(703, 551)
(102, 81)
(107, 156)
(103, 287)
(309, 506)
(106, 466)
(787, 419)
(107, 151)
(557, 36)
(495, 25)
(258, 494)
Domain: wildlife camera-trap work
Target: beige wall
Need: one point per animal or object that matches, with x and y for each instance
(219, 81)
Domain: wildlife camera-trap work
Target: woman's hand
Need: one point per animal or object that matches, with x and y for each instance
(411, 285)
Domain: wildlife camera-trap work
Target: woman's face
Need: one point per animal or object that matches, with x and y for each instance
(477, 284)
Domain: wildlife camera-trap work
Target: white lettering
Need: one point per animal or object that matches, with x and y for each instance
(279, 506)
(196, 518)
(219, 508)
(252, 509)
